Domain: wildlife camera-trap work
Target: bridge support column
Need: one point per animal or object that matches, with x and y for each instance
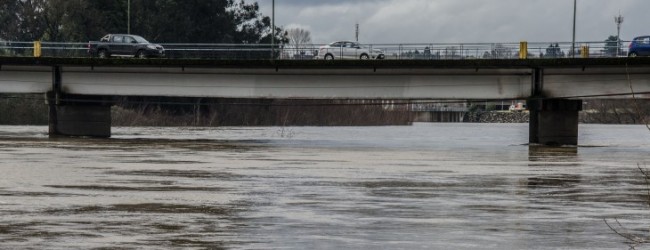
(85, 116)
(554, 122)
(77, 120)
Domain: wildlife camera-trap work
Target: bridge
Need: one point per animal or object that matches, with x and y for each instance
(78, 90)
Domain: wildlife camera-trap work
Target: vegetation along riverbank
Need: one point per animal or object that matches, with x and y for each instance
(31, 110)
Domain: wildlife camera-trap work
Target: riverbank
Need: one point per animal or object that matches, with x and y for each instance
(31, 110)
(612, 116)
(497, 117)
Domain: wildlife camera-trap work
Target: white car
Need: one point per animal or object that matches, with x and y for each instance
(348, 50)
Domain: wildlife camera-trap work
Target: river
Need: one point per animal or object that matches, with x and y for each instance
(426, 186)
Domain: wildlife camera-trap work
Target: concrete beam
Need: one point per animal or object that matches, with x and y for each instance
(25, 79)
(605, 82)
(473, 79)
(299, 85)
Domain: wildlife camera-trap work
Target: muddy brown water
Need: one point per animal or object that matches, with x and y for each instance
(426, 186)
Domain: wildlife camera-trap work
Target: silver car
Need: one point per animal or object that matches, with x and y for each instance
(348, 50)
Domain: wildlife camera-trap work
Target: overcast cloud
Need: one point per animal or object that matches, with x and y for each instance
(454, 21)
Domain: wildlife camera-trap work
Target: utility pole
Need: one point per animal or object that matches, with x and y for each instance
(128, 18)
(619, 20)
(573, 43)
(357, 32)
(273, 29)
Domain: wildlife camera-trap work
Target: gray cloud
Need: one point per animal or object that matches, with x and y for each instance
(453, 21)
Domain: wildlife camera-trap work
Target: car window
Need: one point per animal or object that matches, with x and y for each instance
(337, 44)
(128, 39)
(117, 39)
(139, 39)
(642, 40)
(355, 45)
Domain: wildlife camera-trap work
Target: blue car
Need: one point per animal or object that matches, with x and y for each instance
(640, 46)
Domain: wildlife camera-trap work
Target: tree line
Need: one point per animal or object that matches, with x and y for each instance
(162, 21)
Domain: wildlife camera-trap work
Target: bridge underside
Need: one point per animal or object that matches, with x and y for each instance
(554, 89)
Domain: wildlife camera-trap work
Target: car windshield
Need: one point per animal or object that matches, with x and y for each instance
(139, 39)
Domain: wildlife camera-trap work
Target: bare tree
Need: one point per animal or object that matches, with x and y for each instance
(500, 51)
(451, 52)
(634, 240)
(299, 41)
(616, 111)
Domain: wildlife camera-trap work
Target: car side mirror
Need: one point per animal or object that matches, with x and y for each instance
(134, 41)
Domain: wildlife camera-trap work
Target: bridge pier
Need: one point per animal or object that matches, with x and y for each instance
(77, 120)
(76, 115)
(554, 122)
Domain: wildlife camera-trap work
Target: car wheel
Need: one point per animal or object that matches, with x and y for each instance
(329, 57)
(140, 54)
(633, 54)
(364, 57)
(102, 53)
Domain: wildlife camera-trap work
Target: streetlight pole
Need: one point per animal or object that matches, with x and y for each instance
(573, 43)
(273, 30)
(128, 18)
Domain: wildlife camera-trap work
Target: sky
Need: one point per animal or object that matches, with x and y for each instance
(460, 21)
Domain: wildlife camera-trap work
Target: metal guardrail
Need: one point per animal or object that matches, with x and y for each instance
(413, 51)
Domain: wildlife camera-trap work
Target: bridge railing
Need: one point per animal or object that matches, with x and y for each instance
(221, 51)
(59, 49)
(502, 50)
(411, 51)
(9, 48)
(449, 51)
(596, 49)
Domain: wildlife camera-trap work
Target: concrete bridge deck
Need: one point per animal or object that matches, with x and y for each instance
(553, 87)
(381, 79)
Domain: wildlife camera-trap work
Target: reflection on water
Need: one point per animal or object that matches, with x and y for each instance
(542, 153)
(553, 181)
(432, 186)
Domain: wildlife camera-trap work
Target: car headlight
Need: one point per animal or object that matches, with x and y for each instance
(378, 51)
(151, 46)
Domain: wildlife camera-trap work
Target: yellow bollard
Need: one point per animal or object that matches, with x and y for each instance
(523, 50)
(584, 51)
(37, 48)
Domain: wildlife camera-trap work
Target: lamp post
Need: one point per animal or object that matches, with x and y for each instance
(357, 32)
(128, 17)
(573, 43)
(273, 29)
